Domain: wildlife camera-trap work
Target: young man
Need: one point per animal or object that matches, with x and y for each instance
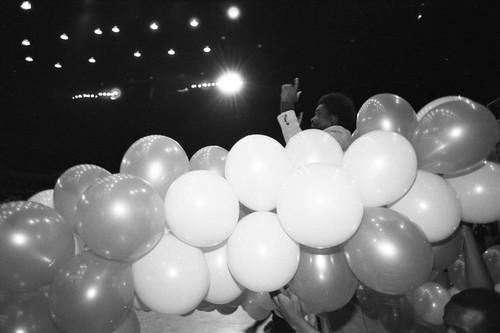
(335, 114)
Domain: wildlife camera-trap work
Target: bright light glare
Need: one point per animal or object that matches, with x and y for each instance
(26, 5)
(230, 83)
(233, 13)
(194, 22)
(171, 52)
(64, 37)
(115, 29)
(29, 59)
(207, 49)
(137, 54)
(58, 65)
(98, 31)
(26, 42)
(115, 94)
(92, 60)
(154, 26)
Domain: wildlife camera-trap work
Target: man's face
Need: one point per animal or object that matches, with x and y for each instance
(322, 118)
(462, 320)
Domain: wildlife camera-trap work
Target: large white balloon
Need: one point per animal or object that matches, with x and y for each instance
(384, 165)
(320, 205)
(201, 208)
(313, 146)
(432, 204)
(256, 167)
(260, 255)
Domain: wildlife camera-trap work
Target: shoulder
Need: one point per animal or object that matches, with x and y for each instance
(341, 134)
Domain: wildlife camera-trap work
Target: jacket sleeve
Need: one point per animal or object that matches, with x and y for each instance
(289, 124)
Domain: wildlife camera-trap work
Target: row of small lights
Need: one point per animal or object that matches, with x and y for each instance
(233, 13)
(113, 95)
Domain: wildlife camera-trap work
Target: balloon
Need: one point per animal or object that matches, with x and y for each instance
(130, 324)
(432, 204)
(253, 309)
(157, 159)
(395, 313)
(445, 252)
(454, 136)
(479, 193)
(456, 273)
(313, 146)
(26, 313)
(320, 205)
(120, 217)
(91, 294)
(383, 164)
(386, 112)
(435, 103)
(223, 287)
(260, 255)
(389, 253)
(173, 278)
(70, 187)
(428, 301)
(256, 167)
(201, 208)
(206, 306)
(45, 197)
(492, 259)
(211, 158)
(323, 282)
(34, 244)
(226, 309)
(262, 299)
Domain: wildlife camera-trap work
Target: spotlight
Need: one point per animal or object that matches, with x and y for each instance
(26, 42)
(115, 29)
(26, 5)
(64, 37)
(154, 26)
(230, 83)
(194, 22)
(233, 13)
(171, 52)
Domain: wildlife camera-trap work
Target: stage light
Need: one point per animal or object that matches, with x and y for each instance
(29, 59)
(26, 42)
(115, 29)
(194, 22)
(58, 65)
(137, 54)
(207, 49)
(92, 60)
(230, 83)
(154, 26)
(64, 37)
(26, 5)
(233, 13)
(171, 52)
(98, 31)
(115, 94)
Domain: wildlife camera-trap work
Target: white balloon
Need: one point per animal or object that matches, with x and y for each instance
(320, 205)
(45, 197)
(256, 167)
(260, 255)
(384, 164)
(201, 208)
(313, 146)
(223, 287)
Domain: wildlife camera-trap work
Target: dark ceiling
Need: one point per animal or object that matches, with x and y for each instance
(419, 50)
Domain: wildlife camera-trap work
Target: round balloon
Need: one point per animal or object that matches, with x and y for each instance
(454, 136)
(313, 146)
(100, 292)
(429, 301)
(256, 167)
(260, 255)
(384, 166)
(173, 278)
(120, 217)
(445, 252)
(34, 244)
(323, 282)
(389, 253)
(201, 208)
(432, 204)
(26, 312)
(70, 187)
(157, 159)
(211, 158)
(254, 310)
(435, 103)
(479, 193)
(223, 287)
(45, 197)
(386, 112)
(320, 205)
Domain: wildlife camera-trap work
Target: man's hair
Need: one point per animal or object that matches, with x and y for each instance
(341, 106)
(485, 301)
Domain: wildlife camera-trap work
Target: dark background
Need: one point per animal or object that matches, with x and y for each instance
(359, 47)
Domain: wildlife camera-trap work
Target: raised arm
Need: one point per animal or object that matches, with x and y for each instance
(289, 308)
